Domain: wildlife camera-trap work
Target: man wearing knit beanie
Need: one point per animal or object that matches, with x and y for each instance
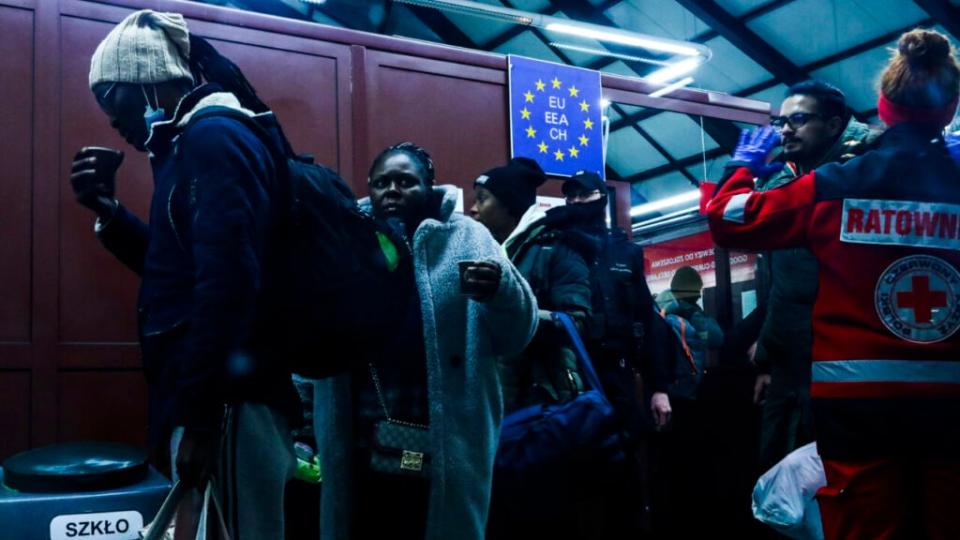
(686, 284)
(211, 393)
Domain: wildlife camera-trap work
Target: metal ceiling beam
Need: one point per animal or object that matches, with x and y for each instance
(878, 41)
(519, 29)
(389, 23)
(737, 33)
(515, 30)
(634, 118)
(444, 28)
(723, 132)
(709, 34)
(944, 12)
(745, 18)
(672, 161)
(680, 164)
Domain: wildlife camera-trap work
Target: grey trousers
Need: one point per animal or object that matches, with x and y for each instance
(256, 461)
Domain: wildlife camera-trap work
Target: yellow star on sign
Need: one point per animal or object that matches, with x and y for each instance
(531, 133)
(558, 155)
(543, 147)
(574, 152)
(540, 85)
(584, 140)
(588, 124)
(574, 92)
(556, 82)
(584, 106)
(525, 113)
(528, 97)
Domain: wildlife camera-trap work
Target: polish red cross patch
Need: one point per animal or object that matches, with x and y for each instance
(917, 299)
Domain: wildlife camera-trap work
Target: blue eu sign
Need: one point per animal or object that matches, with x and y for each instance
(555, 116)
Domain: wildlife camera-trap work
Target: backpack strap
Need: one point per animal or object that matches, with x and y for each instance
(280, 154)
(280, 150)
(683, 341)
(686, 348)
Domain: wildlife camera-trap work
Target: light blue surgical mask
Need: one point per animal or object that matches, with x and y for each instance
(151, 114)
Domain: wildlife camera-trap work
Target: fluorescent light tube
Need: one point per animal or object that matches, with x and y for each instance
(673, 71)
(477, 9)
(671, 87)
(611, 54)
(654, 206)
(622, 38)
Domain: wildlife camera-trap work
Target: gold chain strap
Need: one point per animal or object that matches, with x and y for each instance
(383, 402)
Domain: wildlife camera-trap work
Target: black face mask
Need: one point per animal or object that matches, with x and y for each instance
(591, 214)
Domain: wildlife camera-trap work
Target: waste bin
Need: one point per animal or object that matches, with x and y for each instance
(88, 491)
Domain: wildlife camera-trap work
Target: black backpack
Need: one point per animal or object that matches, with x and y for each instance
(327, 288)
(327, 268)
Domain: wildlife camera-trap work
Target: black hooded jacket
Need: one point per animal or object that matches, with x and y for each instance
(626, 335)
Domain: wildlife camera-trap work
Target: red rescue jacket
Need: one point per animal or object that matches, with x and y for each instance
(885, 229)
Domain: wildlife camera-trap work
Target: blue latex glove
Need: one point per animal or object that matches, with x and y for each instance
(952, 140)
(753, 150)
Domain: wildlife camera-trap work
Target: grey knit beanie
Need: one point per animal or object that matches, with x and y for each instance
(147, 47)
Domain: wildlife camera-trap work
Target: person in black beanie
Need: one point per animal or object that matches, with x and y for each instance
(546, 372)
(628, 341)
(504, 194)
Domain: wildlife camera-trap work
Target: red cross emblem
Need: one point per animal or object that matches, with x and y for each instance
(921, 299)
(918, 298)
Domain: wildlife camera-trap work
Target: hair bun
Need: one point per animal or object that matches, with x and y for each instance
(924, 48)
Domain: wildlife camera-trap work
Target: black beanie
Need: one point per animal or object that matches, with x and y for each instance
(514, 184)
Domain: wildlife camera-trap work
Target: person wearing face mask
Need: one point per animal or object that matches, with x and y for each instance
(407, 444)
(816, 128)
(626, 339)
(216, 395)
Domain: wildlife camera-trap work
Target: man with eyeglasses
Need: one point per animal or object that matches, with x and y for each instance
(626, 337)
(816, 128)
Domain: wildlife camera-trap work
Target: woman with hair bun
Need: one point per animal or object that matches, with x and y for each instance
(885, 229)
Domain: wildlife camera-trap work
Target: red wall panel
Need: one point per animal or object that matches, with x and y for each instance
(68, 358)
(16, 129)
(458, 113)
(15, 404)
(102, 406)
(96, 291)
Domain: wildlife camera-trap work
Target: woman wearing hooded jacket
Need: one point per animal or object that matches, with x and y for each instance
(886, 355)
(546, 371)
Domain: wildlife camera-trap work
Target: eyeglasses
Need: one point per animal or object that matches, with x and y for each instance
(796, 120)
(576, 195)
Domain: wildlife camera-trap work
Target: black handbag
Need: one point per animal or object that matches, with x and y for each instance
(398, 447)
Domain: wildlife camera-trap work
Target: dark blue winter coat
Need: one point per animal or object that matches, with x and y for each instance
(201, 259)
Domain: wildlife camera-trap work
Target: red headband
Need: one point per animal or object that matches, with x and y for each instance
(891, 113)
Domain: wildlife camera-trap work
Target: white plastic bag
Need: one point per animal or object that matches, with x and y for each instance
(167, 514)
(784, 496)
